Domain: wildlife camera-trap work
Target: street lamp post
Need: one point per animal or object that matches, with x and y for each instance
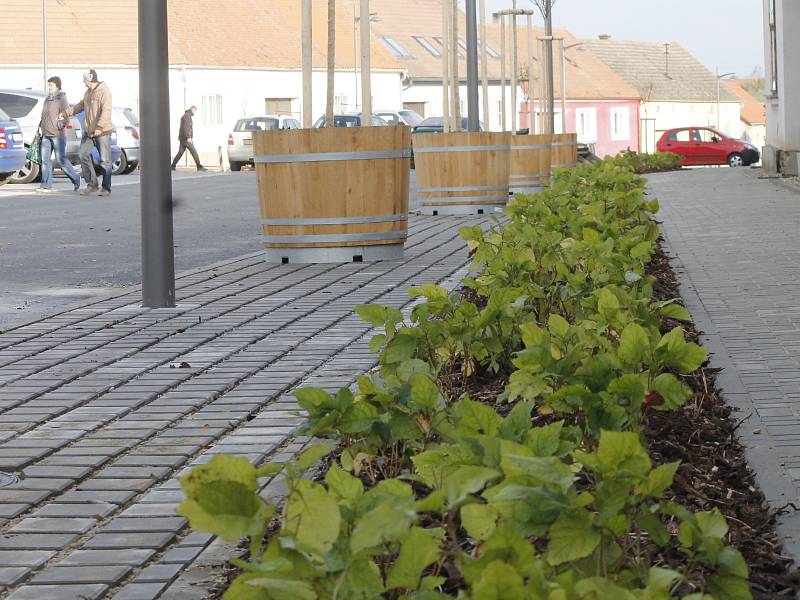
(473, 123)
(373, 18)
(720, 78)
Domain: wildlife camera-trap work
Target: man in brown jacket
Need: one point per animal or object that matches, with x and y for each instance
(96, 107)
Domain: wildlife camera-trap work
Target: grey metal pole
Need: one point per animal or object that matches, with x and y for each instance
(158, 254)
(44, 41)
(548, 32)
(473, 115)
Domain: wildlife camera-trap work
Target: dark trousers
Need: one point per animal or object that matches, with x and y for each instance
(185, 145)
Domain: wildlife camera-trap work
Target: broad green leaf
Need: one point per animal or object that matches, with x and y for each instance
(384, 523)
(312, 517)
(662, 579)
(729, 587)
(476, 418)
(675, 311)
(599, 588)
(572, 537)
(375, 314)
(651, 524)
(607, 303)
(401, 348)
(641, 250)
(620, 453)
(548, 471)
(310, 398)
(674, 392)
(544, 441)
(499, 581)
(310, 456)
(634, 344)
(533, 335)
(479, 520)
(241, 590)
(460, 482)
(283, 588)
(419, 550)
(558, 325)
(424, 391)
(518, 422)
(377, 342)
(659, 479)
(430, 291)
(222, 498)
(712, 524)
(731, 562)
(346, 487)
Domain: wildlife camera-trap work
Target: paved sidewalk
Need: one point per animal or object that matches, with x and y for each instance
(737, 242)
(102, 407)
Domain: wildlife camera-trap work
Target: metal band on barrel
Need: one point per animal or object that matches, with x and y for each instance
(445, 149)
(467, 188)
(334, 238)
(533, 147)
(272, 159)
(564, 144)
(336, 220)
(529, 176)
(465, 198)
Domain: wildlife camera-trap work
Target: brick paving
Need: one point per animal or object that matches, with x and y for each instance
(102, 407)
(735, 239)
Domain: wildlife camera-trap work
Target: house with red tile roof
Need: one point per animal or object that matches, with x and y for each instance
(753, 116)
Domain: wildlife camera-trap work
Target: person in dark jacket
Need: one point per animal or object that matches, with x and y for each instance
(53, 138)
(185, 135)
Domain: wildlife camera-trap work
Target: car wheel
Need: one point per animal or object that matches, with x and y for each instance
(4, 178)
(27, 174)
(132, 166)
(119, 166)
(735, 160)
(236, 165)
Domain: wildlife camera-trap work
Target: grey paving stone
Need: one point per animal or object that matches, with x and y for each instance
(134, 485)
(108, 574)
(25, 558)
(141, 591)
(132, 557)
(77, 511)
(98, 496)
(182, 555)
(118, 541)
(142, 524)
(60, 592)
(10, 576)
(9, 511)
(36, 541)
(161, 572)
(53, 525)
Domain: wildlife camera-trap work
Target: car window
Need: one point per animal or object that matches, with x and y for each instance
(4, 116)
(16, 106)
(682, 135)
(131, 116)
(346, 121)
(705, 135)
(411, 118)
(378, 122)
(390, 117)
(260, 124)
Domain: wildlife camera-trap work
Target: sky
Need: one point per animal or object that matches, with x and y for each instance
(720, 33)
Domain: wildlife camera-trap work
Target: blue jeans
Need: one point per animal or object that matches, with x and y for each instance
(103, 145)
(57, 144)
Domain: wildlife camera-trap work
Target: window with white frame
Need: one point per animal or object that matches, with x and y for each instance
(620, 123)
(432, 50)
(586, 125)
(395, 47)
(212, 109)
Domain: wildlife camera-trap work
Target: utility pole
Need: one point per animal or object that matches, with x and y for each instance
(484, 67)
(472, 66)
(44, 40)
(514, 67)
(158, 253)
(548, 32)
(513, 14)
(331, 62)
(445, 66)
(531, 88)
(454, 70)
(366, 66)
(308, 106)
(503, 103)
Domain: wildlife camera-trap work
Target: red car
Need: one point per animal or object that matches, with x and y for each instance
(707, 146)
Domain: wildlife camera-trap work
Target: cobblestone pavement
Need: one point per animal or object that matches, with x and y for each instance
(103, 407)
(735, 239)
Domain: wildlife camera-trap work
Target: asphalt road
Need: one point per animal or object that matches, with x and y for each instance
(61, 248)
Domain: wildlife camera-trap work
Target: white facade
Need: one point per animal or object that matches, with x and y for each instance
(658, 117)
(222, 95)
(782, 80)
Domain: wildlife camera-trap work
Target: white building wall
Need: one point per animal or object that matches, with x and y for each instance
(783, 108)
(669, 115)
(243, 93)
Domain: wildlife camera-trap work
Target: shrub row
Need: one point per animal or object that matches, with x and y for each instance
(545, 492)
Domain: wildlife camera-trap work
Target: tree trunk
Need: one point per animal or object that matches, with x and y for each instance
(331, 61)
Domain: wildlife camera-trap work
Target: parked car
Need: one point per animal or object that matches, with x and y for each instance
(73, 149)
(707, 146)
(403, 116)
(127, 125)
(25, 106)
(434, 125)
(12, 149)
(350, 120)
(240, 140)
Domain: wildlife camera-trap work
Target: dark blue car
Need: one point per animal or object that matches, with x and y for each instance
(12, 148)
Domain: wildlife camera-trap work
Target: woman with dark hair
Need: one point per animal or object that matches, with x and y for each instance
(53, 139)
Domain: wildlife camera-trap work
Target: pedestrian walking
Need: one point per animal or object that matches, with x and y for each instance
(53, 138)
(185, 136)
(96, 107)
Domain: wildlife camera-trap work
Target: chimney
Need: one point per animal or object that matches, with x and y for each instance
(604, 36)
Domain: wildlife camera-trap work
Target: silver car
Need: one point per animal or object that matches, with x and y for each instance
(240, 141)
(127, 125)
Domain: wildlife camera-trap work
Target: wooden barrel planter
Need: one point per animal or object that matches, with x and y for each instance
(565, 151)
(529, 164)
(461, 173)
(334, 194)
